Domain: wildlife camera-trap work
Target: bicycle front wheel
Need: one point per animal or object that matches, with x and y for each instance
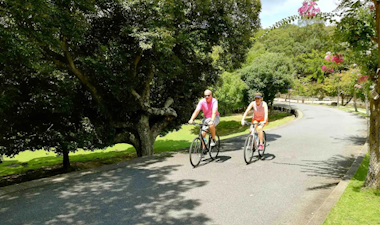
(248, 149)
(261, 153)
(214, 151)
(195, 152)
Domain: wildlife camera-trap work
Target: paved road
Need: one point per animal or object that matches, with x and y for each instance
(305, 160)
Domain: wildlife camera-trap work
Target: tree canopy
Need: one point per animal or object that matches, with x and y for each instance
(136, 65)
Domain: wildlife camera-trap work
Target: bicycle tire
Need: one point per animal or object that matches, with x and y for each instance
(214, 151)
(261, 153)
(248, 149)
(195, 152)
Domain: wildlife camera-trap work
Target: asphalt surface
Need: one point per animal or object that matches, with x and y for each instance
(304, 162)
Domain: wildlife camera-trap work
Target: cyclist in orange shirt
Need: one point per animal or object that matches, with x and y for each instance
(260, 115)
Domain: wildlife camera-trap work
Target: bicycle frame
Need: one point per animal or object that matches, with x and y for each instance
(253, 129)
(207, 145)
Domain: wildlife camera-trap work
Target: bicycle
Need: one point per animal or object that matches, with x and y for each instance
(252, 143)
(196, 148)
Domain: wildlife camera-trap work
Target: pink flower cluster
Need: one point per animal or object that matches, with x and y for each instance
(334, 58)
(363, 79)
(338, 59)
(308, 9)
(358, 86)
(327, 69)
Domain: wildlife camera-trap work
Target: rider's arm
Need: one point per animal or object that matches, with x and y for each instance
(214, 110)
(247, 111)
(195, 114)
(266, 112)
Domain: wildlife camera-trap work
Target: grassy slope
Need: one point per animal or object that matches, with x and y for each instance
(26, 161)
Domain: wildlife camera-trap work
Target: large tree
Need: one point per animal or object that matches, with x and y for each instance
(360, 28)
(142, 63)
(40, 109)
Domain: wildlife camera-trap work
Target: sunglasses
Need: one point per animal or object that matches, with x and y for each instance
(206, 96)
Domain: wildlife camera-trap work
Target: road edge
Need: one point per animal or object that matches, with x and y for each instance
(322, 213)
(63, 177)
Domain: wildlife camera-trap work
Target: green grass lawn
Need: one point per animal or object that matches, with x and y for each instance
(352, 110)
(357, 205)
(28, 161)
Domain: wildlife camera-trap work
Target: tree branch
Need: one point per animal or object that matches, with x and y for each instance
(146, 90)
(122, 125)
(136, 62)
(138, 97)
(126, 137)
(158, 127)
(162, 112)
(83, 78)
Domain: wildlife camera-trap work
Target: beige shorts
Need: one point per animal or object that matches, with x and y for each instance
(205, 121)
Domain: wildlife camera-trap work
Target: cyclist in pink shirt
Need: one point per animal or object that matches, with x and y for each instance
(209, 107)
(260, 115)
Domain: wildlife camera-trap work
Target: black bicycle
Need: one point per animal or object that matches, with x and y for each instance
(200, 146)
(252, 143)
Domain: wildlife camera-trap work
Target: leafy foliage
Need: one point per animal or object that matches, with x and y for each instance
(269, 74)
(230, 92)
(134, 66)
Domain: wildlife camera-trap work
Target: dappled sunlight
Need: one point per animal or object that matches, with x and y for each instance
(170, 145)
(237, 143)
(140, 194)
(334, 168)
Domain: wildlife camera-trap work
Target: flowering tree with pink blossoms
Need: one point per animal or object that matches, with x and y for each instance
(308, 9)
(360, 29)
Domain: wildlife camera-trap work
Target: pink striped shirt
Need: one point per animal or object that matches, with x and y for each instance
(259, 110)
(207, 108)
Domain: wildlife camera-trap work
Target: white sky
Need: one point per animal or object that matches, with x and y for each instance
(273, 11)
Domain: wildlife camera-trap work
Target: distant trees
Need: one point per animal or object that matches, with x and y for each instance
(269, 74)
(230, 91)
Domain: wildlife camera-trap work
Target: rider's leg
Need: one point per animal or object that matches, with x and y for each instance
(260, 131)
(212, 131)
(203, 135)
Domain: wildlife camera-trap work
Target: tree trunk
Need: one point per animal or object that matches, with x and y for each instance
(373, 175)
(146, 137)
(356, 109)
(337, 99)
(367, 112)
(66, 160)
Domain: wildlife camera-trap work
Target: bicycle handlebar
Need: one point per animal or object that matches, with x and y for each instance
(200, 124)
(249, 123)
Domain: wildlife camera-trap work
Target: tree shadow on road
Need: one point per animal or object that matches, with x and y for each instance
(138, 193)
(353, 139)
(332, 169)
(237, 143)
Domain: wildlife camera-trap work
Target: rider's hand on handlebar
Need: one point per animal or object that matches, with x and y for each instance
(190, 122)
(242, 122)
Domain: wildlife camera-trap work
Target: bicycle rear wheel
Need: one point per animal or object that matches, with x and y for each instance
(248, 149)
(214, 151)
(195, 152)
(261, 153)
